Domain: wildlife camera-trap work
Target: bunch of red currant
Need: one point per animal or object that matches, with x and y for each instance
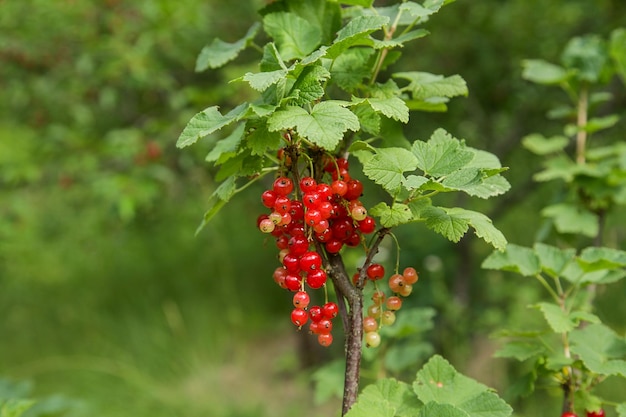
(327, 215)
(599, 413)
(382, 311)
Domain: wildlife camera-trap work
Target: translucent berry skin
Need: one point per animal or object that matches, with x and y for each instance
(298, 245)
(393, 303)
(396, 282)
(410, 275)
(339, 187)
(375, 272)
(406, 290)
(268, 198)
(313, 217)
(333, 245)
(293, 282)
(316, 278)
(325, 326)
(367, 225)
(301, 299)
(307, 184)
(325, 192)
(599, 413)
(372, 339)
(299, 317)
(388, 318)
(282, 204)
(267, 226)
(325, 339)
(378, 297)
(330, 310)
(370, 324)
(355, 189)
(310, 261)
(283, 186)
(569, 414)
(291, 263)
(311, 199)
(316, 314)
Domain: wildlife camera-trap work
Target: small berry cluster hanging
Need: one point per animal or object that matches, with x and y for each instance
(328, 214)
(382, 311)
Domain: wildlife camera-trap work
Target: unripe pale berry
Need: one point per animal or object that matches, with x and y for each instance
(372, 339)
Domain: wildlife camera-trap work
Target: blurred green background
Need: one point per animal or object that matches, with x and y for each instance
(110, 306)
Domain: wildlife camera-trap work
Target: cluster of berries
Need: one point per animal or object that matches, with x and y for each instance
(599, 413)
(382, 312)
(328, 213)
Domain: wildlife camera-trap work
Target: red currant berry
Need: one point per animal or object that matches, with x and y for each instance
(406, 290)
(268, 197)
(275, 217)
(312, 217)
(333, 245)
(321, 227)
(367, 225)
(569, 414)
(599, 413)
(393, 303)
(353, 240)
(299, 317)
(358, 213)
(293, 282)
(372, 339)
(307, 184)
(295, 229)
(310, 261)
(282, 204)
(297, 210)
(282, 242)
(396, 282)
(410, 275)
(342, 229)
(378, 297)
(374, 311)
(283, 186)
(301, 299)
(291, 263)
(316, 278)
(375, 272)
(315, 313)
(325, 339)
(324, 236)
(325, 326)
(298, 245)
(355, 189)
(314, 327)
(325, 192)
(330, 310)
(279, 276)
(339, 187)
(388, 318)
(266, 226)
(326, 209)
(311, 200)
(370, 324)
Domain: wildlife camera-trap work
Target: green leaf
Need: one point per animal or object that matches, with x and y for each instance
(542, 72)
(617, 50)
(392, 216)
(438, 382)
(521, 350)
(355, 32)
(368, 118)
(587, 55)
(569, 218)
(324, 126)
(399, 41)
(392, 107)
(387, 166)
(442, 154)
(308, 87)
(261, 139)
(424, 85)
(596, 124)
(14, 407)
(364, 3)
(219, 52)
(416, 10)
(295, 36)
(540, 145)
(351, 68)
(206, 122)
(621, 410)
(438, 220)
(514, 258)
(226, 145)
(488, 187)
(600, 349)
(328, 380)
(553, 260)
(261, 81)
(558, 319)
(597, 258)
(386, 398)
(441, 410)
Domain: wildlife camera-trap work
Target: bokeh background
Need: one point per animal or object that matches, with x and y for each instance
(110, 306)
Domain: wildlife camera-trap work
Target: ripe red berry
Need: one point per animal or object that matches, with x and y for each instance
(316, 278)
(393, 303)
(316, 314)
(325, 339)
(312, 217)
(370, 324)
(355, 189)
(367, 225)
(283, 186)
(569, 414)
(599, 413)
(282, 204)
(375, 272)
(310, 261)
(339, 187)
(301, 299)
(396, 282)
(330, 310)
(279, 276)
(311, 199)
(410, 275)
(307, 184)
(293, 282)
(291, 263)
(268, 198)
(297, 210)
(325, 191)
(299, 317)
(324, 236)
(298, 245)
(325, 326)
(333, 245)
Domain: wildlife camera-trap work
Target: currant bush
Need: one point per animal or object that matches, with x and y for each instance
(314, 213)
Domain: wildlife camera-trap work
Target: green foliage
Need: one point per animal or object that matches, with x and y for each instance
(438, 389)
